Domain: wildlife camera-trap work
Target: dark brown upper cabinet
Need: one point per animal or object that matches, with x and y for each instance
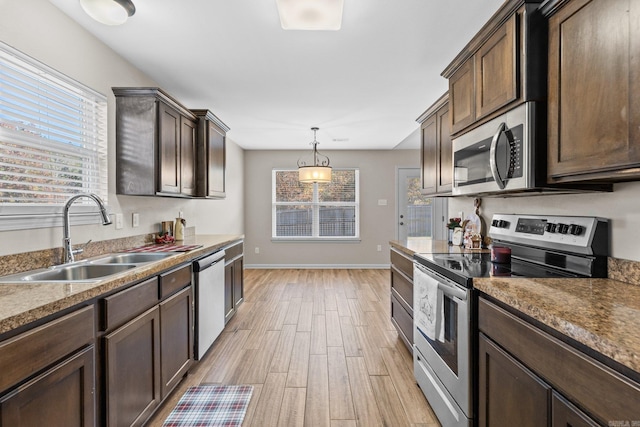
(594, 82)
(155, 144)
(502, 66)
(436, 149)
(211, 155)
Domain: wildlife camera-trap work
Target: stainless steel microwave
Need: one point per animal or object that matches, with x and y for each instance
(507, 156)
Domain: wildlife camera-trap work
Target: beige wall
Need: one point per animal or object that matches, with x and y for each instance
(377, 223)
(622, 207)
(40, 30)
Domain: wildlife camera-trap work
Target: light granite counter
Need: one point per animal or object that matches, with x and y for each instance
(23, 303)
(602, 314)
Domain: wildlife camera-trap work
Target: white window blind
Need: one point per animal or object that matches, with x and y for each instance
(315, 211)
(53, 139)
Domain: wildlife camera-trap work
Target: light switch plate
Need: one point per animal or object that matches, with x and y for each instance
(135, 220)
(119, 221)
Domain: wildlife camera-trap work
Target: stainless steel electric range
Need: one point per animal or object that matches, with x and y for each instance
(445, 326)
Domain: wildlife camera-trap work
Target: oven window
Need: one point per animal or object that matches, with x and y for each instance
(448, 349)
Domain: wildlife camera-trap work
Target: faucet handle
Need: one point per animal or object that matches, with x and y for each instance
(81, 248)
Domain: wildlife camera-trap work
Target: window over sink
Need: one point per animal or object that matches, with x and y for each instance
(328, 211)
(53, 144)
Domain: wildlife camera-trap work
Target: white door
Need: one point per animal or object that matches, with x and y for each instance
(418, 216)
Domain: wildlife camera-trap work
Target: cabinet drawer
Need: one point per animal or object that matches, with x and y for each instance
(402, 263)
(38, 348)
(233, 251)
(402, 285)
(571, 372)
(174, 280)
(402, 321)
(125, 305)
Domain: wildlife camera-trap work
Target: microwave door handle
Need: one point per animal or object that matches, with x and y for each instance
(492, 156)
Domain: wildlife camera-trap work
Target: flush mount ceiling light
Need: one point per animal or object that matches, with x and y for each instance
(109, 12)
(310, 14)
(319, 171)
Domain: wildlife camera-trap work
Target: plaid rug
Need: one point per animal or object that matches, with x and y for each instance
(211, 405)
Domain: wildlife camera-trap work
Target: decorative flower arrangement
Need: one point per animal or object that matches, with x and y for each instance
(453, 223)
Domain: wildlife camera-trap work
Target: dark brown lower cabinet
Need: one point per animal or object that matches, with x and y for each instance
(62, 396)
(233, 279)
(176, 338)
(132, 368)
(509, 394)
(564, 414)
(527, 377)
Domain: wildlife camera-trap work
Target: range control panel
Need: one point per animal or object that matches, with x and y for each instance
(569, 233)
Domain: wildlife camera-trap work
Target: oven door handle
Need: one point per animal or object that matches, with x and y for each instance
(445, 285)
(492, 156)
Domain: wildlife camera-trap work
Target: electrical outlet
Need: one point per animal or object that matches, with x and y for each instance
(135, 220)
(180, 214)
(119, 221)
(379, 248)
(257, 250)
(382, 202)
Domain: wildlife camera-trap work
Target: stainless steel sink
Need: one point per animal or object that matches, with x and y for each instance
(132, 258)
(83, 272)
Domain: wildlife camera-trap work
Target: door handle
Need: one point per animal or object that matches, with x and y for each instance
(492, 156)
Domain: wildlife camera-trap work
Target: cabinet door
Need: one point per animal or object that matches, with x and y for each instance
(169, 149)
(564, 414)
(238, 281)
(64, 396)
(176, 338)
(496, 70)
(594, 113)
(216, 157)
(509, 394)
(445, 151)
(229, 273)
(132, 369)
(461, 97)
(187, 156)
(429, 155)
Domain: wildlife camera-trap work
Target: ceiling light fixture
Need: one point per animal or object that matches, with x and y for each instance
(320, 171)
(109, 12)
(310, 14)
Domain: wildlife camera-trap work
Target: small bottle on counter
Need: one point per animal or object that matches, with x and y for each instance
(179, 228)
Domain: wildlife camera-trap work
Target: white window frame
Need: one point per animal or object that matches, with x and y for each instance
(316, 204)
(20, 216)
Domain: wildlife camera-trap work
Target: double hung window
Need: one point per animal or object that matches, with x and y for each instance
(315, 211)
(53, 143)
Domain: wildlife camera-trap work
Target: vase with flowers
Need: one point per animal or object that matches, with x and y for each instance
(453, 224)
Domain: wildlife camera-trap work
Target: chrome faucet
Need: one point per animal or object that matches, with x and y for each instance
(69, 252)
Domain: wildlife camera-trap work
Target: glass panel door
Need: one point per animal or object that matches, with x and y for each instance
(419, 217)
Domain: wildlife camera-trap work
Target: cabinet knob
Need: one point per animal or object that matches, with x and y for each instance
(402, 223)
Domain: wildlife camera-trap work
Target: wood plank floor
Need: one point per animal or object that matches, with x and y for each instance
(319, 349)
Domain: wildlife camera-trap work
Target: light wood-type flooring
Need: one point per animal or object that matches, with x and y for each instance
(319, 349)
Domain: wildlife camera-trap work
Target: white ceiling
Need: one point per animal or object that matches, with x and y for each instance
(363, 86)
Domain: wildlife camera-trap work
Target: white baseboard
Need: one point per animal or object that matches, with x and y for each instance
(315, 266)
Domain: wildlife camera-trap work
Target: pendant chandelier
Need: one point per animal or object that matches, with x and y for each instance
(319, 170)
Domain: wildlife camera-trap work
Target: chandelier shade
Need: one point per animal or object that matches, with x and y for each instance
(319, 170)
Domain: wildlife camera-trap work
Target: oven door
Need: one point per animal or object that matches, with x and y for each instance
(442, 365)
(495, 156)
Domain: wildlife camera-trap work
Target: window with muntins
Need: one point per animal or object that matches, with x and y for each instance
(315, 211)
(53, 144)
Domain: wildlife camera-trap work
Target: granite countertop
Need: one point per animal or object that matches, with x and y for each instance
(423, 245)
(23, 303)
(602, 314)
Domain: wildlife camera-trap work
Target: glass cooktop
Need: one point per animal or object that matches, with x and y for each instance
(462, 268)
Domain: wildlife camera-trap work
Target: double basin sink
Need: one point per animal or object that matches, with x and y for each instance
(89, 270)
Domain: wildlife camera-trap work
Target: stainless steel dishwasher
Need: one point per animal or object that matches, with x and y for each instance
(209, 301)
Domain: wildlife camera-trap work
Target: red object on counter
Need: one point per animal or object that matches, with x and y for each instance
(164, 248)
(500, 254)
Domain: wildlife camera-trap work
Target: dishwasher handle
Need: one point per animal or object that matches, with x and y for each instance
(208, 261)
